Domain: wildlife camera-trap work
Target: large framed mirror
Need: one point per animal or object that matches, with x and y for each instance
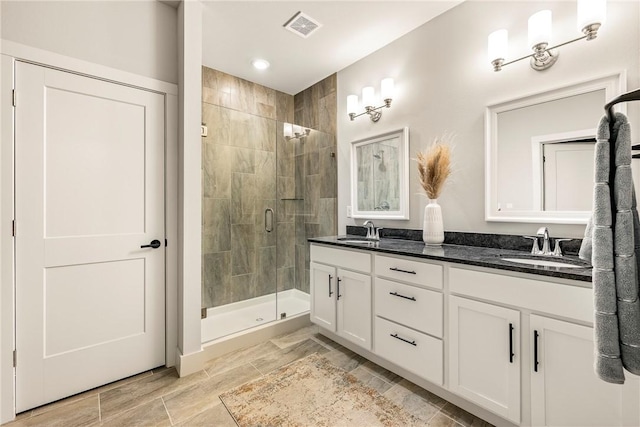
(380, 176)
(539, 152)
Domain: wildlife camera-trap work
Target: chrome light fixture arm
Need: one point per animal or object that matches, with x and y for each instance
(543, 57)
(298, 135)
(373, 112)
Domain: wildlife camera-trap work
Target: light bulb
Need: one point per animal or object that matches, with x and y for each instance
(368, 94)
(288, 130)
(498, 45)
(540, 28)
(352, 104)
(591, 12)
(386, 88)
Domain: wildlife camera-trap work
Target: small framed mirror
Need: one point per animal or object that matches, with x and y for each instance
(380, 176)
(539, 152)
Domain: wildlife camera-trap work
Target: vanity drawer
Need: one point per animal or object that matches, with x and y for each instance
(412, 306)
(351, 260)
(575, 302)
(406, 270)
(409, 349)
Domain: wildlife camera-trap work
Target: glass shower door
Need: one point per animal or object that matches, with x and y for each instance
(307, 194)
(239, 226)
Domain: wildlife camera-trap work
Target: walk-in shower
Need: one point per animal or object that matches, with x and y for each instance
(264, 193)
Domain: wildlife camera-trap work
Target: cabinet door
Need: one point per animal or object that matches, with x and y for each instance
(484, 355)
(323, 295)
(354, 307)
(565, 391)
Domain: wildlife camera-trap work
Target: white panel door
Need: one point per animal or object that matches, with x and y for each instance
(484, 355)
(353, 294)
(323, 295)
(568, 176)
(565, 391)
(89, 194)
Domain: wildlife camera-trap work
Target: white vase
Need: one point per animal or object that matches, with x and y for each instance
(433, 229)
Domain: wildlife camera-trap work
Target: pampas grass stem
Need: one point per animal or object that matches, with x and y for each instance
(434, 167)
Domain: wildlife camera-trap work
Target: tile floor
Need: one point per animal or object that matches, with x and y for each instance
(160, 398)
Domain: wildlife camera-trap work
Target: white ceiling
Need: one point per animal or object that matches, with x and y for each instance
(236, 32)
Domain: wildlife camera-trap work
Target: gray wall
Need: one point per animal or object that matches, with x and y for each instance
(444, 82)
(140, 37)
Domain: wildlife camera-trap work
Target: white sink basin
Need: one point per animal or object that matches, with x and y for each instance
(543, 262)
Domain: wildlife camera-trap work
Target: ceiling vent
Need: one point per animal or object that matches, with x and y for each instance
(302, 25)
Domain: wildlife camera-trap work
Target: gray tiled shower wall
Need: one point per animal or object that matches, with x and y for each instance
(248, 166)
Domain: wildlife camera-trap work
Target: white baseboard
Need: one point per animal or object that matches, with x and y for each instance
(187, 364)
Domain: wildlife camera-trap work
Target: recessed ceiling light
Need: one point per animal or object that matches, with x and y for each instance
(260, 64)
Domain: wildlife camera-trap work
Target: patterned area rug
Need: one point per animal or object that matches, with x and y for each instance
(312, 392)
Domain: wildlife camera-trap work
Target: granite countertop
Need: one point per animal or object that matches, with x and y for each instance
(469, 255)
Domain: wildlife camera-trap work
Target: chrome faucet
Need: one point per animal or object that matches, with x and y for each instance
(544, 233)
(373, 233)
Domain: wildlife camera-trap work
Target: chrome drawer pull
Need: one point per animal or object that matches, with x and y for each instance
(401, 270)
(395, 294)
(413, 343)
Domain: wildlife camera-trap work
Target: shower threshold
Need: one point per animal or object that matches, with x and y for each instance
(242, 315)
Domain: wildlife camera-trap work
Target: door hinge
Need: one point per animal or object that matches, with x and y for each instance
(13, 97)
(15, 358)
(13, 228)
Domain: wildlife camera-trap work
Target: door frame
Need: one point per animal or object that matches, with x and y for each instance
(10, 53)
(537, 156)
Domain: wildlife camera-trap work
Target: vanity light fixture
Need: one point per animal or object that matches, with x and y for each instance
(590, 16)
(292, 131)
(368, 101)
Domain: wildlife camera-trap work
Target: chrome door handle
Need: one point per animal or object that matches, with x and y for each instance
(155, 244)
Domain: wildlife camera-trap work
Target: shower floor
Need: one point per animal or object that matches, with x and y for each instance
(238, 316)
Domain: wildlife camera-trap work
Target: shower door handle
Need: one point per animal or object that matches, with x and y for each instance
(268, 220)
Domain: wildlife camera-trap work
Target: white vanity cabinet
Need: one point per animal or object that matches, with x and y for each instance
(323, 300)
(409, 316)
(564, 389)
(553, 357)
(341, 293)
(517, 348)
(484, 355)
